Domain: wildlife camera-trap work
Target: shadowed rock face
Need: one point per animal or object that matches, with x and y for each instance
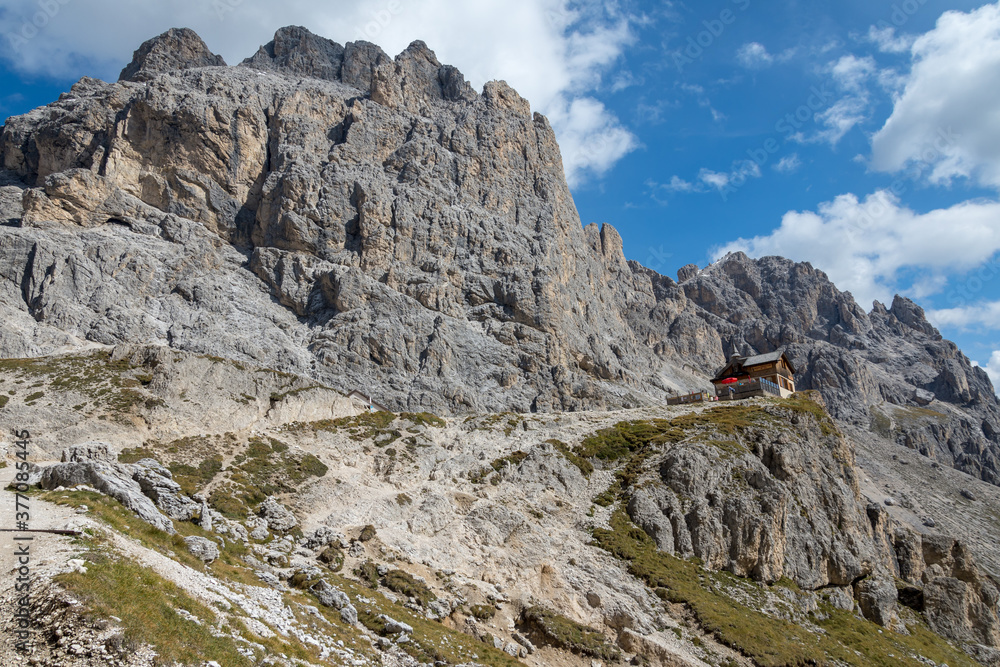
(376, 223)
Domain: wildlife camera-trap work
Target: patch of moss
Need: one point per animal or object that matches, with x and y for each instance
(423, 419)
(403, 500)
(3, 401)
(561, 632)
(32, 397)
(133, 454)
(367, 572)
(513, 459)
(483, 612)
(585, 466)
(403, 583)
(333, 557)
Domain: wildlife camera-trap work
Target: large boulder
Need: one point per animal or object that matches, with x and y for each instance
(110, 479)
(276, 515)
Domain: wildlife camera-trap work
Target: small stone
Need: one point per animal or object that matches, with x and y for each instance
(593, 599)
(968, 495)
(890, 501)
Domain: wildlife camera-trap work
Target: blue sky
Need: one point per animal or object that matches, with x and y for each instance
(863, 137)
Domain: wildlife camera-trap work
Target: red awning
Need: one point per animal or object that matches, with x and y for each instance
(727, 381)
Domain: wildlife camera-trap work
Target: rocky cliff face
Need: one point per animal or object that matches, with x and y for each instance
(419, 237)
(376, 223)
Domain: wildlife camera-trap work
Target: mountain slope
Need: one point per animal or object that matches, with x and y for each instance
(375, 223)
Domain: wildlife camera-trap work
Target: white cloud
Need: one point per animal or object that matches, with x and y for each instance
(678, 184)
(553, 52)
(888, 41)
(754, 55)
(852, 73)
(992, 369)
(981, 315)
(740, 172)
(851, 76)
(864, 245)
(788, 164)
(946, 122)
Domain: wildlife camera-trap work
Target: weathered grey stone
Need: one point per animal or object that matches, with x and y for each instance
(111, 479)
(392, 626)
(202, 548)
(277, 516)
(330, 596)
(156, 483)
(877, 598)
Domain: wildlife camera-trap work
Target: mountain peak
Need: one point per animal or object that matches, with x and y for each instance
(176, 49)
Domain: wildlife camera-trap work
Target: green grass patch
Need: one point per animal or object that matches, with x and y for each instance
(3, 401)
(148, 605)
(768, 641)
(513, 459)
(585, 466)
(195, 478)
(561, 632)
(403, 583)
(34, 396)
(483, 612)
(134, 454)
(431, 641)
(423, 419)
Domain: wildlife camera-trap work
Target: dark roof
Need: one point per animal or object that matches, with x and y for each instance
(763, 358)
(755, 360)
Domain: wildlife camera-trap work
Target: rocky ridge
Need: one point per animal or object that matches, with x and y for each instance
(376, 223)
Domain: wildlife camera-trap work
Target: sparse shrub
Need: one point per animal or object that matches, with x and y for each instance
(483, 612)
(564, 633)
(367, 533)
(401, 582)
(333, 556)
(367, 572)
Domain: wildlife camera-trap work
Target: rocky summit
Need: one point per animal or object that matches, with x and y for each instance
(210, 275)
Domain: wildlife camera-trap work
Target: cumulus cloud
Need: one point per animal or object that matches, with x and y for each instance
(553, 52)
(992, 369)
(944, 124)
(851, 76)
(865, 245)
(981, 315)
(754, 55)
(888, 41)
(788, 164)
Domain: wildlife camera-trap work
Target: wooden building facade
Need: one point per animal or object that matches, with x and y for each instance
(762, 374)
